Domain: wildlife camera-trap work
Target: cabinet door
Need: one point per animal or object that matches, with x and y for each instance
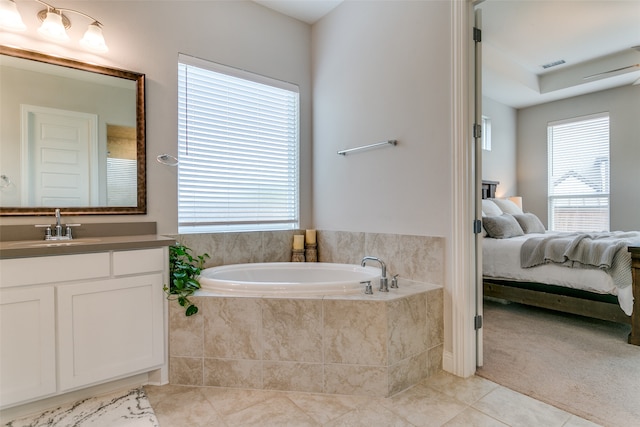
(109, 329)
(28, 351)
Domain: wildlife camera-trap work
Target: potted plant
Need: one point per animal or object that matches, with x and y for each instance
(184, 269)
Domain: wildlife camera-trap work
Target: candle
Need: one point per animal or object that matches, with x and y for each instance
(311, 237)
(298, 241)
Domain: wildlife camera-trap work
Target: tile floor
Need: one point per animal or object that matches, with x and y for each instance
(442, 400)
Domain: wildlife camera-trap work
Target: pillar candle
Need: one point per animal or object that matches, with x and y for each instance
(298, 241)
(311, 237)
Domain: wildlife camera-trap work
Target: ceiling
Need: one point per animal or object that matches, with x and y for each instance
(591, 36)
(308, 11)
(519, 36)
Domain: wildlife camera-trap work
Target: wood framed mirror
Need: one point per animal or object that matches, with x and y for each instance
(72, 136)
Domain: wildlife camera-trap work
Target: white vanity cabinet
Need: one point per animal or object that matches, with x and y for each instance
(103, 312)
(28, 346)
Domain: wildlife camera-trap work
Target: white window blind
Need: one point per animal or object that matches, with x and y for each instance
(238, 149)
(579, 174)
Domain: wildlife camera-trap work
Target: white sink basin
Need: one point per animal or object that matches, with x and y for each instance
(51, 243)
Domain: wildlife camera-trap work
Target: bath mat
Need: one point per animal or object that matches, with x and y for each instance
(123, 409)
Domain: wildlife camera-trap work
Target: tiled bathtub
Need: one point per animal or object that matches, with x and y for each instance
(374, 345)
(361, 344)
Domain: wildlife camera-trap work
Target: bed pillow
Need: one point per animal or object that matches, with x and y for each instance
(507, 206)
(490, 209)
(502, 227)
(530, 223)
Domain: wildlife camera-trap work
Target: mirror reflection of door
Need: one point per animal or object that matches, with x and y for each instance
(60, 157)
(122, 166)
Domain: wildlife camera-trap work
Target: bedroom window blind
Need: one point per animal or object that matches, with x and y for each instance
(238, 148)
(579, 174)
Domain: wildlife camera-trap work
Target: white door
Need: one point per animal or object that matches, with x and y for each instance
(477, 37)
(60, 157)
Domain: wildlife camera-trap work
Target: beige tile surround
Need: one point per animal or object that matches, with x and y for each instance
(362, 345)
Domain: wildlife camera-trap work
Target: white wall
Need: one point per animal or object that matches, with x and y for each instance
(382, 71)
(623, 105)
(147, 36)
(499, 164)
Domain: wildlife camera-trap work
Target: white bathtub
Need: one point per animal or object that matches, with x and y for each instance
(290, 278)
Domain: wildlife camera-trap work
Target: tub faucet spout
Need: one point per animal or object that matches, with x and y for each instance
(384, 286)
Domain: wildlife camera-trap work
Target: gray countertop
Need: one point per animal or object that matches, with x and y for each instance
(20, 242)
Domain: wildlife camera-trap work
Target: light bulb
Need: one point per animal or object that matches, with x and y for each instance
(93, 38)
(52, 27)
(10, 18)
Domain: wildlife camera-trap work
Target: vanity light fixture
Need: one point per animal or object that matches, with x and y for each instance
(10, 17)
(54, 24)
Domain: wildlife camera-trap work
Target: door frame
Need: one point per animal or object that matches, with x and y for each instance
(462, 359)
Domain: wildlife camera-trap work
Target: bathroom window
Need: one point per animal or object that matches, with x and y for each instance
(238, 138)
(579, 174)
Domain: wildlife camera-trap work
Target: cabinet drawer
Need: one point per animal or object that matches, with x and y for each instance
(52, 269)
(138, 261)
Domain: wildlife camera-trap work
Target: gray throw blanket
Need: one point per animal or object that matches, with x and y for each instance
(606, 251)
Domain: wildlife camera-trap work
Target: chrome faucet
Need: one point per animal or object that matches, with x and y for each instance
(57, 235)
(58, 225)
(384, 287)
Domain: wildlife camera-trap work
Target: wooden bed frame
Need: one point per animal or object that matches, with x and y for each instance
(583, 303)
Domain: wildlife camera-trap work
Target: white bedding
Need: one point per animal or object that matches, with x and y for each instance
(501, 260)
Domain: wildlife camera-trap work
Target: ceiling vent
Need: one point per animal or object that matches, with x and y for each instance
(553, 64)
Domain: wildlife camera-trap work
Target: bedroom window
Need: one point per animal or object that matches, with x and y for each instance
(486, 133)
(579, 174)
(238, 144)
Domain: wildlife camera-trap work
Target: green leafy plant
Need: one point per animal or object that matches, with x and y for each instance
(184, 268)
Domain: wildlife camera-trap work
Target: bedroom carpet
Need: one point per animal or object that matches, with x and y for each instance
(581, 365)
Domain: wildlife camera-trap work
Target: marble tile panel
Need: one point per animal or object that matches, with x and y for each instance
(466, 390)
(435, 317)
(232, 373)
(385, 247)
(292, 376)
(276, 245)
(517, 409)
(292, 329)
(422, 258)
(325, 407)
(340, 246)
(423, 406)
(575, 421)
(185, 370)
(355, 332)
(275, 412)
(434, 360)
(407, 326)
(356, 380)
(186, 337)
(231, 400)
(475, 418)
(187, 407)
(232, 328)
(241, 248)
(209, 243)
(369, 415)
(407, 372)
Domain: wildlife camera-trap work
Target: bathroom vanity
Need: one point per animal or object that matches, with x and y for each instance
(79, 313)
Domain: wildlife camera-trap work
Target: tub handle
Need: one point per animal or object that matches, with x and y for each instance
(368, 290)
(394, 281)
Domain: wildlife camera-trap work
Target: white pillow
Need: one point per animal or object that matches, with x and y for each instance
(489, 208)
(508, 206)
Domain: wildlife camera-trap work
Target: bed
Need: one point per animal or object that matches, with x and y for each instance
(590, 292)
